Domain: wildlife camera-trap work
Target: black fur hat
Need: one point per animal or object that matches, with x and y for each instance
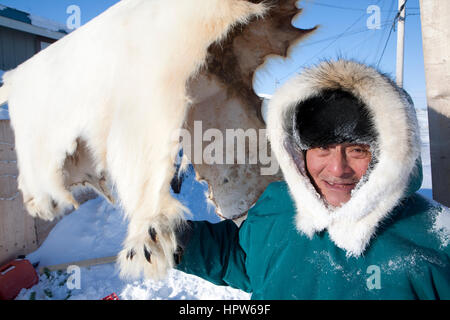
(333, 117)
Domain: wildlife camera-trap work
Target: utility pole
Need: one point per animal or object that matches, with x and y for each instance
(400, 42)
(435, 21)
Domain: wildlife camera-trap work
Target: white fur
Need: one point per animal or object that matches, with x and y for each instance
(352, 225)
(118, 83)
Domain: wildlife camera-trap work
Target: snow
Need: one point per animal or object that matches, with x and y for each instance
(410, 261)
(97, 229)
(98, 282)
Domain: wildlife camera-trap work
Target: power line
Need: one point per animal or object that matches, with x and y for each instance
(366, 39)
(341, 7)
(385, 45)
(335, 7)
(329, 45)
(335, 38)
(341, 35)
(384, 33)
(397, 16)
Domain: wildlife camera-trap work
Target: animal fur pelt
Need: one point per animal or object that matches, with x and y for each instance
(100, 107)
(396, 146)
(223, 99)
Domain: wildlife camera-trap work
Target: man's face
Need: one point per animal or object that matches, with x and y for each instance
(336, 169)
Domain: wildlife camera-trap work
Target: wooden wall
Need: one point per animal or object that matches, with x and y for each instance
(19, 233)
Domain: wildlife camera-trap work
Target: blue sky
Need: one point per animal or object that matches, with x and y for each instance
(343, 32)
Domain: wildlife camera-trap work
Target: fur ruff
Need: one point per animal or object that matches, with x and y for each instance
(352, 225)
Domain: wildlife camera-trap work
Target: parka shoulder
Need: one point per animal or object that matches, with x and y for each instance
(275, 201)
(420, 222)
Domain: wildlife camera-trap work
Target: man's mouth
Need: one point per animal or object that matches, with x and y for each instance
(340, 186)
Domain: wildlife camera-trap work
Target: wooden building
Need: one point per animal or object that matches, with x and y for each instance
(21, 37)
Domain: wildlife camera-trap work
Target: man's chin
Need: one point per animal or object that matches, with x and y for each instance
(337, 196)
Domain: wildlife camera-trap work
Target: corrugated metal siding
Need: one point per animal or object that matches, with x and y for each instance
(15, 48)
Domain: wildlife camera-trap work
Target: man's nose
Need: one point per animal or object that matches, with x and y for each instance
(338, 165)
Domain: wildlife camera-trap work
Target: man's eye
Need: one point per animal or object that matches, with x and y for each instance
(321, 151)
(359, 152)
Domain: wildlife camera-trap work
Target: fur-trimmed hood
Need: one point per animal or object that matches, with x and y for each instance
(396, 147)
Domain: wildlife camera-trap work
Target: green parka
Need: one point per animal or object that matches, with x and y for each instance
(409, 257)
(386, 242)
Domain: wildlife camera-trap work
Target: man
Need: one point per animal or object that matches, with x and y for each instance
(346, 223)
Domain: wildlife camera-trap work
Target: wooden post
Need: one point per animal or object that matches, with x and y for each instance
(17, 229)
(20, 234)
(435, 19)
(83, 263)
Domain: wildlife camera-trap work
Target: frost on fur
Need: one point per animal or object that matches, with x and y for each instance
(111, 94)
(352, 225)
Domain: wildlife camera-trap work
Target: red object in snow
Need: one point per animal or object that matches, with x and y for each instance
(15, 276)
(112, 296)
